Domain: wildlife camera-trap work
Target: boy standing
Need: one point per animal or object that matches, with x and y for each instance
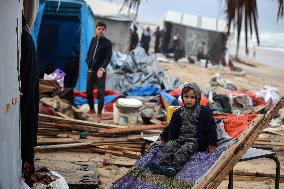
(99, 56)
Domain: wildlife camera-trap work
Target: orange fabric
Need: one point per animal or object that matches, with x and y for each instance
(233, 124)
(204, 101)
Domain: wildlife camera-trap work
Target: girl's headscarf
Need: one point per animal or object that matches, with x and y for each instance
(195, 88)
(190, 115)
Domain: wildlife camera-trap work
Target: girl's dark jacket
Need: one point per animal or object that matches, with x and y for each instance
(207, 134)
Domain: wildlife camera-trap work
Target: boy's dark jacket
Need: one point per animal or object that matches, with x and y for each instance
(207, 134)
(103, 53)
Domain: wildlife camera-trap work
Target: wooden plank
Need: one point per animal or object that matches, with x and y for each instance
(254, 178)
(67, 126)
(271, 143)
(222, 168)
(256, 109)
(130, 129)
(62, 115)
(61, 146)
(48, 141)
(74, 121)
(243, 173)
(115, 148)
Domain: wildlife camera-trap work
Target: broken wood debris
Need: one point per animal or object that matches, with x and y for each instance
(59, 133)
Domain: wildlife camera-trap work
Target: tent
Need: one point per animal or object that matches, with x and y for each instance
(63, 31)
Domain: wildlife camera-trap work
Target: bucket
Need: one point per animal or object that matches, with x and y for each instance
(127, 105)
(127, 111)
(171, 109)
(115, 114)
(128, 119)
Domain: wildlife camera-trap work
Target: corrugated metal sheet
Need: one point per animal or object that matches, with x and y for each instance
(190, 20)
(208, 24)
(195, 21)
(111, 10)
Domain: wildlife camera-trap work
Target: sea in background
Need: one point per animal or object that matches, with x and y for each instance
(270, 51)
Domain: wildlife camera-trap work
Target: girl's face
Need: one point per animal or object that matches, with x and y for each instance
(189, 99)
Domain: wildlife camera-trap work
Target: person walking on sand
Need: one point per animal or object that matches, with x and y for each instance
(202, 55)
(98, 57)
(158, 35)
(145, 39)
(134, 39)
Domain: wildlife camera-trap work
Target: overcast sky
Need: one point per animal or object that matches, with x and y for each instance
(154, 11)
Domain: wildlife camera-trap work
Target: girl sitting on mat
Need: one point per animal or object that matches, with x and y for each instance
(192, 128)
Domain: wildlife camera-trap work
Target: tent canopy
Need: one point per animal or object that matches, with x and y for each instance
(64, 28)
(62, 32)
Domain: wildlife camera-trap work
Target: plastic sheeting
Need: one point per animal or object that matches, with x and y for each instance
(36, 26)
(144, 91)
(135, 70)
(61, 35)
(269, 92)
(87, 33)
(172, 101)
(108, 99)
(59, 38)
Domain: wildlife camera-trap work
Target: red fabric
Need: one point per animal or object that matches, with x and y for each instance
(109, 107)
(256, 100)
(176, 92)
(107, 92)
(44, 109)
(233, 124)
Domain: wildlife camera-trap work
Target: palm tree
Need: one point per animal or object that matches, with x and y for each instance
(238, 13)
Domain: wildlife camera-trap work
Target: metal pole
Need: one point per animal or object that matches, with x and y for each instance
(277, 176)
(231, 178)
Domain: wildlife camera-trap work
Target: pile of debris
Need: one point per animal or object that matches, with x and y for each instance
(57, 133)
(272, 136)
(137, 69)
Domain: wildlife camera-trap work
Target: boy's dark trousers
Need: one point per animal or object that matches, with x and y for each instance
(92, 81)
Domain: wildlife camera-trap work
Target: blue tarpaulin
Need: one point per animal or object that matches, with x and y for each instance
(87, 33)
(64, 29)
(37, 24)
(59, 38)
(170, 99)
(144, 91)
(108, 99)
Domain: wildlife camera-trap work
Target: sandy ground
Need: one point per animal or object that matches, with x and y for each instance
(254, 79)
(106, 174)
(263, 165)
(109, 174)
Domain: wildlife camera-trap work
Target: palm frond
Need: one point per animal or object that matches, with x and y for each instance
(241, 12)
(132, 4)
(280, 13)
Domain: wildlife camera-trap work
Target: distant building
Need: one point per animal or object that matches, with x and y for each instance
(194, 30)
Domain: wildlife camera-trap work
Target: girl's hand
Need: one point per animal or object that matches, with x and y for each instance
(161, 140)
(211, 148)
